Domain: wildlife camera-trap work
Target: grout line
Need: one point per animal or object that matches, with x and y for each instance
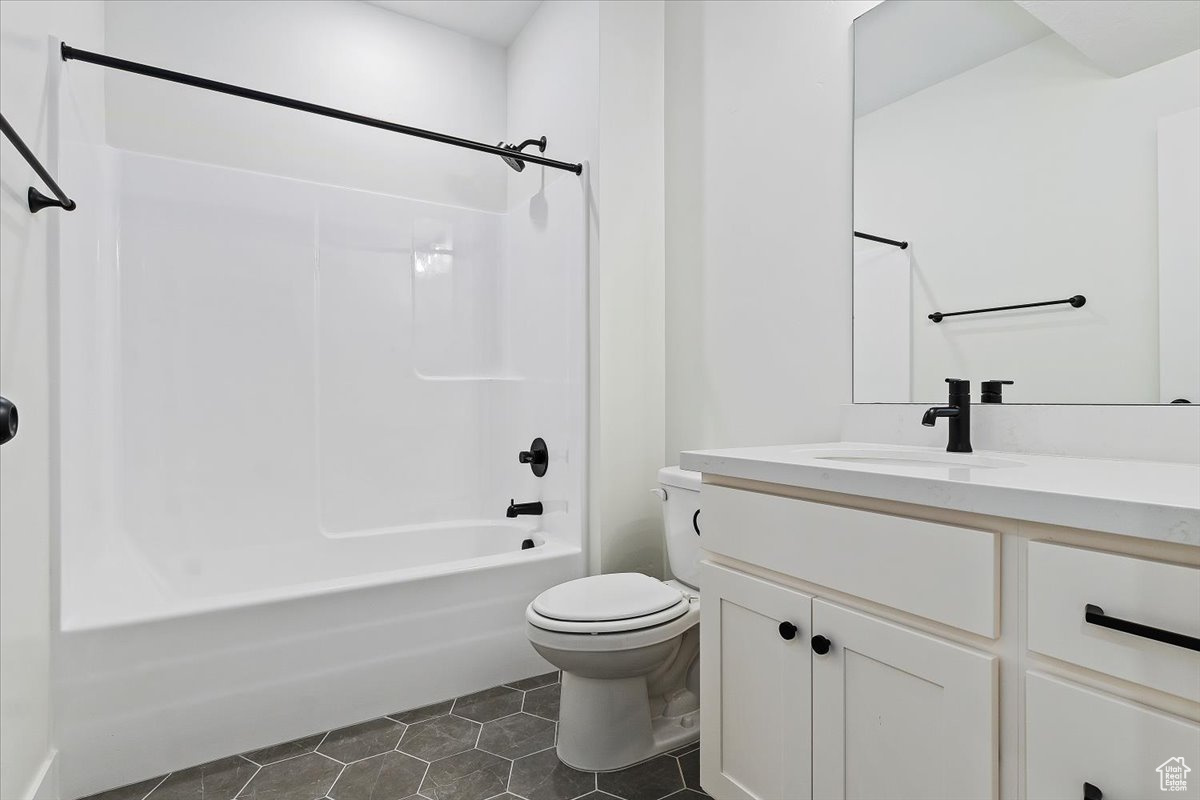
(161, 781)
(257, 769)
(337, 778)
(585, 794)
(289, 758)
(424, 775)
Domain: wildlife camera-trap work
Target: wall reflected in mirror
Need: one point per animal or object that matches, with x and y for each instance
(1028, 152)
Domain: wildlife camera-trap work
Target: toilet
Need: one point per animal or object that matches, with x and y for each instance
(628, 646)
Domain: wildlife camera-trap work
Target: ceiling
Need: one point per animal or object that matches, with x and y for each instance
(904, 46)
(496, 21)
(1123, 36)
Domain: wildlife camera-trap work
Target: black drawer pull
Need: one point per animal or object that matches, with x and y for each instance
(820, 645)
(787, 630)
(1096, 616)
(1092, 792)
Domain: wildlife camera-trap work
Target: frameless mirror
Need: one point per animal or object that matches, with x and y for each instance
(1033, 169)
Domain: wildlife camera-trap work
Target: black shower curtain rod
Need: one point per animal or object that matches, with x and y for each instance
(71, 53)
(35, 199)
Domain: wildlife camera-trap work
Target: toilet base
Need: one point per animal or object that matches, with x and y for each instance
(606, 724)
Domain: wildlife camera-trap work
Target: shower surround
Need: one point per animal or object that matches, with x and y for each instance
(289, 420)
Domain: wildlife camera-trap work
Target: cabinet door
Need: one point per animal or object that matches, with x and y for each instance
(755, 689)
(1075, 735)
(900, 714)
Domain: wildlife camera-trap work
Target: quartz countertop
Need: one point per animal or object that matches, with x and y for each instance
(1144, 499)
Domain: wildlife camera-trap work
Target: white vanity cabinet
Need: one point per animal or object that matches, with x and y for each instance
(952, 659)
(871, 710)
(756, 685)
(898, 713)
(1076, 735)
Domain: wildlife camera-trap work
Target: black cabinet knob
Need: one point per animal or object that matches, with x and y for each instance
(1092, 792)
(820, 645)
(787, 630)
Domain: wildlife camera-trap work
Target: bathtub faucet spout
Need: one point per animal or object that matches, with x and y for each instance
(517, 509)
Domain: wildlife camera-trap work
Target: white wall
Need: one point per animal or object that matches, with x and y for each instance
(589, 76)
(348, 55)
(1179, 256)
(1031, 177)
(27, 80)
(800, 318)
(553, 74)
(882, 321)
(758, 221)
(628, 289)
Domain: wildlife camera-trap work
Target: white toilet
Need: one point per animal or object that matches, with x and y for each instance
(629, 647)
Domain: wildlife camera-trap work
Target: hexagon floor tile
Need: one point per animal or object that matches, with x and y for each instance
(497, 744)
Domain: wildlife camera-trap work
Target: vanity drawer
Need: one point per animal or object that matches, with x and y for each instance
(940, 572)
(1063, 581)
(1075, 735)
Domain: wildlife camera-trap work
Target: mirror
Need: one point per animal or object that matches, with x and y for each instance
(1042, 154)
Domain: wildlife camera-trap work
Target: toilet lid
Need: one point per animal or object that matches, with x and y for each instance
(599, 598)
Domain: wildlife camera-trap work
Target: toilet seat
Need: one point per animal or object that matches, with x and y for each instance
(613, 603)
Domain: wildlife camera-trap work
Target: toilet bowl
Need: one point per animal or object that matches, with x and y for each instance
(628, 646)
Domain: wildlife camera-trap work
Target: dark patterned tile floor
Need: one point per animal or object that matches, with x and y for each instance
(497, 744)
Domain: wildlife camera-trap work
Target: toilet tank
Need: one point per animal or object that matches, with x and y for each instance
(680, 493)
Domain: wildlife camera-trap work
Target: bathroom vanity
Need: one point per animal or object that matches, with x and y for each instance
(885, 621)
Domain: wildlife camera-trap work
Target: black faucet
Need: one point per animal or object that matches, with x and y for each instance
(517, 509)
(958, 411)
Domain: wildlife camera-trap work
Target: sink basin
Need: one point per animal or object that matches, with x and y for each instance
(909, 458)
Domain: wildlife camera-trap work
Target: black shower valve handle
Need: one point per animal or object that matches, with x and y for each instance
(537, 457)
(8, 420)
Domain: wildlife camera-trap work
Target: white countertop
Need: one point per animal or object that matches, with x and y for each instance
(1146, 499)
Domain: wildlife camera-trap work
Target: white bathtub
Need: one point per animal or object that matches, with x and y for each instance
(180, 662)
(267, 389)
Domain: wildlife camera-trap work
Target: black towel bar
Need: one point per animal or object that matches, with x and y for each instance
(881, 240)
(1075, 301)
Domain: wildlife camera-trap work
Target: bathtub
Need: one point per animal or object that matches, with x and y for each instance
(288, 424)
(169, 662)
